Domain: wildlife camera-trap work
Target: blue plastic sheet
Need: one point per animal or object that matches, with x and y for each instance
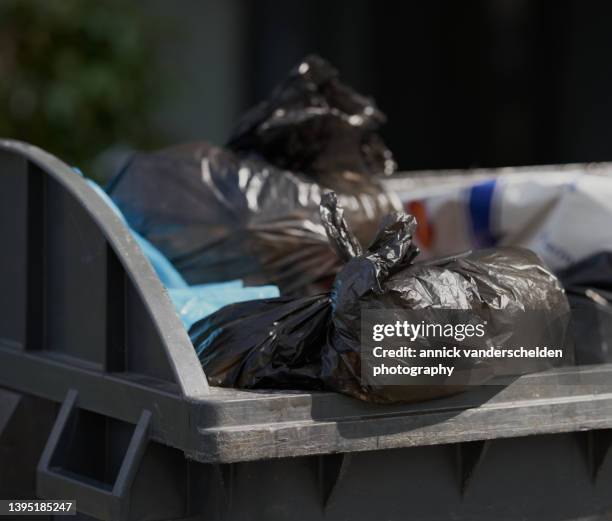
(196, 302)
(192, 303)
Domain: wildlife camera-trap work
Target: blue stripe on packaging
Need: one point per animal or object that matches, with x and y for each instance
(480, 211)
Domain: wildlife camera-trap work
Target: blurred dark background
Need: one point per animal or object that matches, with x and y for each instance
(470, 83)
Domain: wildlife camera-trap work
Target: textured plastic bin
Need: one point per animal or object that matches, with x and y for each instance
(102, 400)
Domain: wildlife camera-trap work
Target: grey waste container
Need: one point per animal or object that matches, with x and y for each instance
(102, 400)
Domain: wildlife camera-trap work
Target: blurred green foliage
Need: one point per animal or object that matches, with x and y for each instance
(75, 76)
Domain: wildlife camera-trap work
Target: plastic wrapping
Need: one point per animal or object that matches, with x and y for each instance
(314, 342)
(313, 123)
(221, 214)
(532, 209)
(589, 289)
(192, 303)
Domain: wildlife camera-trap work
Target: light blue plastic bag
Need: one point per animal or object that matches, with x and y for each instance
(191, 302)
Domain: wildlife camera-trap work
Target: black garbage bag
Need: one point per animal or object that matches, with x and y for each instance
(251, 211)
(588, 285)
(313, 123)
(314, 342)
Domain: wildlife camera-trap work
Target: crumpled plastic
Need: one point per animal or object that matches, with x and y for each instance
(532, 209)
(588, 285)
(313, 123)
(192, 303)
(314, 342)
(560, 213)
(250, 211)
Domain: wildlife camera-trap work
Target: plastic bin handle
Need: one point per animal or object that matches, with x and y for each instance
(94, 499)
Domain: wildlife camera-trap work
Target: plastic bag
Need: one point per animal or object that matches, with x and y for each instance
(535, 209)
(532, 209)
(589, 290)
(313, 123)
(221, 215)
(314, 342)
(192, 303)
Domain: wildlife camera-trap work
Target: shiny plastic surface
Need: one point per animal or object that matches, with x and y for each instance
(251, 211)
(314, 342)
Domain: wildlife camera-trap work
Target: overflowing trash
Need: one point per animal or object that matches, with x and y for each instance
(558, 214)
(236, 225)
(314, 342)
(250, 211)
